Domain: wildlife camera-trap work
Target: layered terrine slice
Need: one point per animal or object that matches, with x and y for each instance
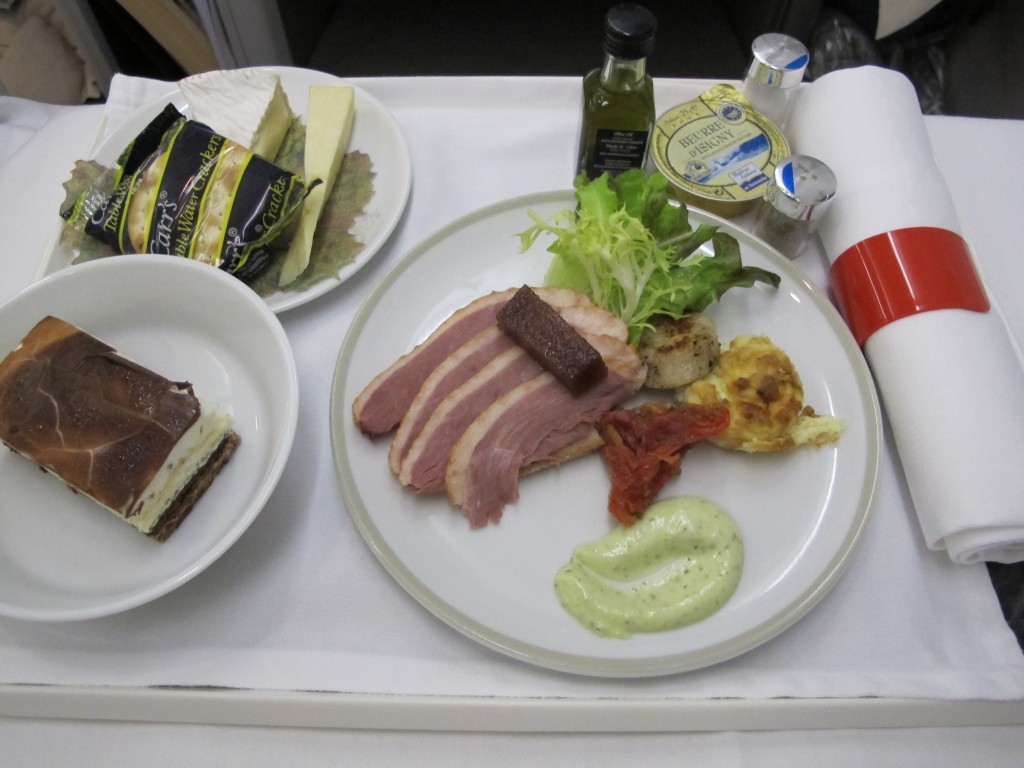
(144, 447)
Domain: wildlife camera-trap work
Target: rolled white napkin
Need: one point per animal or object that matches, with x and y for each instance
(948, 372)
(126, 94)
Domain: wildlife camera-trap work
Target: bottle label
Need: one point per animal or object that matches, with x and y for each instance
(617, 151)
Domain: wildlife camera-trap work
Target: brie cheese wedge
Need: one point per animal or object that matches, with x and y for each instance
(248, 106)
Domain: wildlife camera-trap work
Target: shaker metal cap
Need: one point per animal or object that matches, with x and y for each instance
(804, 188)
(779, 61)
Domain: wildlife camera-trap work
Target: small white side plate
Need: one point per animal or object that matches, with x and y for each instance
(374, 133)
(64, 557)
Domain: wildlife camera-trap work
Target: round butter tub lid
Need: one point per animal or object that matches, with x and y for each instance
(717, 151)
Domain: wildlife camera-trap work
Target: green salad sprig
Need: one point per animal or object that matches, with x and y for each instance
(633, 252)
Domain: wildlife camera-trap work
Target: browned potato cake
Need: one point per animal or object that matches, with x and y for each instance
(761, 386)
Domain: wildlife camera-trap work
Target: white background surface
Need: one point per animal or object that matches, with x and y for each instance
(326, 613)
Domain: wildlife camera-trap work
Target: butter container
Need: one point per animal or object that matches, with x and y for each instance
(717, 152)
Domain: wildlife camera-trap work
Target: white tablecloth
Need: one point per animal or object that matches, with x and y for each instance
(300, 603)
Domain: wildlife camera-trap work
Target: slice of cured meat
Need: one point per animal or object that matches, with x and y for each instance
(424, 466)
(381, 405)
(530, 423)
(644, 448)
(449, 375)
(466, 361)
(431, 436)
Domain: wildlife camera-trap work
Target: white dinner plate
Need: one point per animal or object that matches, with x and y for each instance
(64, 557)
(374, 132)
(800, 513)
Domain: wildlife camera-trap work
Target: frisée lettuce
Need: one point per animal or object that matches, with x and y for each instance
(633, 252)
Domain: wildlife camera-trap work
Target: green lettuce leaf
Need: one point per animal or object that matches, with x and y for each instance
(633, 251)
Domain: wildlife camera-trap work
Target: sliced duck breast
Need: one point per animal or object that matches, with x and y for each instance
(435, 434)
(530, 423)
(383, 403)
(424, 465)
(449, 375)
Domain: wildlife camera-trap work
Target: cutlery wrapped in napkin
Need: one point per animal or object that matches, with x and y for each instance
(948, 372)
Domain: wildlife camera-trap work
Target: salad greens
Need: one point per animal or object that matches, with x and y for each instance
(635, 254)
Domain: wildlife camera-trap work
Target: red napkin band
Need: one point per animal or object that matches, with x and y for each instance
(903, 272)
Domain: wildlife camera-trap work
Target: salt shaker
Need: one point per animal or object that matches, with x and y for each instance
(801, 191)
(776, 68)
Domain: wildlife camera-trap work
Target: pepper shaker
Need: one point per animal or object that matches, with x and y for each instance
(800, 194)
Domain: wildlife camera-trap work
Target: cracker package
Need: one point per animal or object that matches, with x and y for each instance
(182, 189)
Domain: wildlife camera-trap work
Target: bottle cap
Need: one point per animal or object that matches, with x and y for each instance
(779, 61)
(803, 189)
(629, 31)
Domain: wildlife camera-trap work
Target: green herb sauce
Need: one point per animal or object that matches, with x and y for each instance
(677, 565)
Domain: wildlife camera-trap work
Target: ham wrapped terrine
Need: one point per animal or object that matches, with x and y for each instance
(142, 446)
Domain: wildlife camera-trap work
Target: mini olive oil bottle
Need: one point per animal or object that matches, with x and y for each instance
(618, 99)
